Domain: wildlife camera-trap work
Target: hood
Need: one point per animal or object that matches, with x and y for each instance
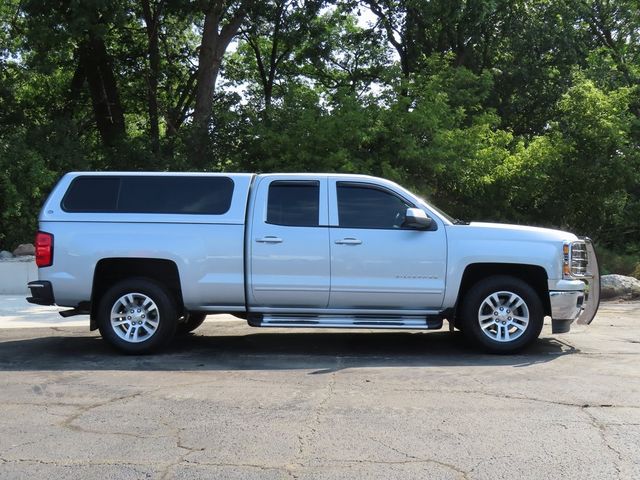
(501, 231)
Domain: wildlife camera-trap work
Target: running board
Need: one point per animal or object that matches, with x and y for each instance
(334, 321)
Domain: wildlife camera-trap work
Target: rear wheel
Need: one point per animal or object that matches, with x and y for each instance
(191, 322)
(502, 314)
(137, 315)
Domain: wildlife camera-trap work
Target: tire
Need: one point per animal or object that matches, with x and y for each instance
(458, 324)
(137, 316)
(502, 314)
(193, 321)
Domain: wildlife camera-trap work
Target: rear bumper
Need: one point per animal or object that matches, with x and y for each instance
(41, 293)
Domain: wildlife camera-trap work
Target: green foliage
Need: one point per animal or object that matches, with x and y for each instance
(636, 270)
(582, 172)
(525, 112)
(622, 263)
(602, 160)
(24, 181)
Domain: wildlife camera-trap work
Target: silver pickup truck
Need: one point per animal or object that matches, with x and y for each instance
(147, 255)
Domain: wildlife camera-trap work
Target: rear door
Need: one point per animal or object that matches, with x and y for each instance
(289, 243)
(376, 263)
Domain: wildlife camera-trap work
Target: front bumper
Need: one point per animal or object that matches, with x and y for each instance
(566, 305)
(576, 299)
(565, 308)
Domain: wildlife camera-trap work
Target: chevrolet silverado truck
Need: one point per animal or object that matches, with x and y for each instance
(149, 255)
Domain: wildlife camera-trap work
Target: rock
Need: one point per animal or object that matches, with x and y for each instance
(619, 286)
(4, 255)
(24, 249)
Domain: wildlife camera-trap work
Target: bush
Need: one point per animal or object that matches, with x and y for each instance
(24, 182)
(621, 263)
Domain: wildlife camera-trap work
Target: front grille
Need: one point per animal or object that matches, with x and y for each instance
(579, 259)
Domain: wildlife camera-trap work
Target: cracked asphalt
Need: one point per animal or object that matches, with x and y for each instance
(234, 402)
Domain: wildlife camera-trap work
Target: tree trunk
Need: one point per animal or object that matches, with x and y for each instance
(215, 40)
(77, 82)
(152, 23)
(105, 97)
(208, 65)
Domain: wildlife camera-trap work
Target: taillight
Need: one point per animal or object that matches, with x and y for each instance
(44, 249)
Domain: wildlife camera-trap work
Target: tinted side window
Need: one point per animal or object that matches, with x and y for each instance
(192, 195)
(92, 194)
(295, 204)
(159, 194)
(367, 207)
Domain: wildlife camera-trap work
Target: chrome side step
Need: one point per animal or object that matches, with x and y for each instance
(334, 321)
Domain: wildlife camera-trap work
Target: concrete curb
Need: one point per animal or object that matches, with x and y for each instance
(15, 312)
(15, 273)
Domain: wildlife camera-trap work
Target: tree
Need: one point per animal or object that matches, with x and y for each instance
(273, 33)
(221, 24)
(341, 56)
(152, 14)
(83, 25)
(501, 110)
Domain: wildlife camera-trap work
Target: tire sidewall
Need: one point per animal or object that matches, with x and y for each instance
(480, 291)
(164, 302)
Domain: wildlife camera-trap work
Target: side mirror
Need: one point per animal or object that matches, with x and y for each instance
(416, 218)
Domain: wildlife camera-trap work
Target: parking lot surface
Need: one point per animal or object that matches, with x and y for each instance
(230, 401)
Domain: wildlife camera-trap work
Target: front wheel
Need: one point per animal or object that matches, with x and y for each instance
(502, 314)
(137, 316)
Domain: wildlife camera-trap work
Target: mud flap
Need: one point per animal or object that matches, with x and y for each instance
(592, 279)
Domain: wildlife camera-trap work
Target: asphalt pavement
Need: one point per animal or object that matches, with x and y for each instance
(234, 402)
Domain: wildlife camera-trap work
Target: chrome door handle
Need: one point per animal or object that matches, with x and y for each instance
(269, 239)
(348, 241)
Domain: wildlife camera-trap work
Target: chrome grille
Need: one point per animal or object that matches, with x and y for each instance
(579, 259)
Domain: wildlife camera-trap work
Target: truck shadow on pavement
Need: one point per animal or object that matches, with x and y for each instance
(322, 352)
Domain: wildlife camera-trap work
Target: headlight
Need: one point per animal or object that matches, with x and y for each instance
(574, 259)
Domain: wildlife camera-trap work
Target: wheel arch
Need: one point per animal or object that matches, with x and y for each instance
(535, 275)
(109, 271)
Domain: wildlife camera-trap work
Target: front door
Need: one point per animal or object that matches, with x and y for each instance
(289, 243)
(376, 263)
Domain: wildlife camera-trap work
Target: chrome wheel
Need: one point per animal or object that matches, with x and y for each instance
(135, 317)
(503, 316)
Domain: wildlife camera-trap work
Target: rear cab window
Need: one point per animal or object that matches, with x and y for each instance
(294, 203)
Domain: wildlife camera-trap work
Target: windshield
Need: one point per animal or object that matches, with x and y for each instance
(440, 212)
(455, 221)
(430, 206)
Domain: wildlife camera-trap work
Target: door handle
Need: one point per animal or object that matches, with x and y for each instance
(348, 241)
(269, 239)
